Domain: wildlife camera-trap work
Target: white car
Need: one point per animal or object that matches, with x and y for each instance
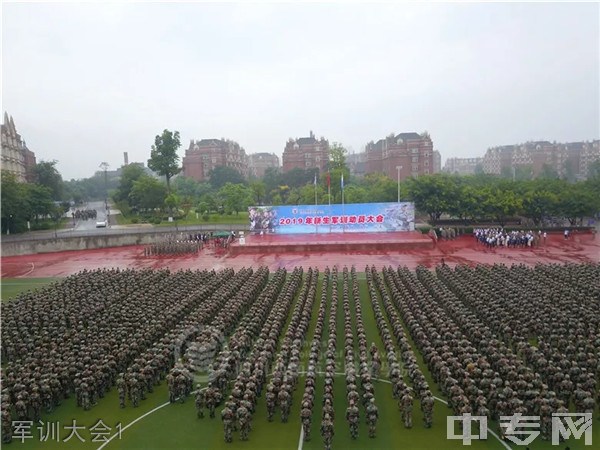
(101, 224)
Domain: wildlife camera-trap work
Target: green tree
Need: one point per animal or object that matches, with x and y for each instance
(380, 188)
(221, 175)
(164, 159)
(188, 187)
(236, 197)
(355, 194)
(14, 203)
(538, 204)
(433, 194)
(259, 190)
(48, 175)
(39, 201)
(129, 175)
(467, 205)
(578, 201)
(337, 157)
(272, 179)
(297, 177)
(172, 202)
(501, 204)
(147, 194)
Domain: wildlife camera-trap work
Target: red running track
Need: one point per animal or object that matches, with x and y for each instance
(463, 250)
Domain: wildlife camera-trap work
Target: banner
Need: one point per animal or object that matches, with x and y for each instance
(348, 218)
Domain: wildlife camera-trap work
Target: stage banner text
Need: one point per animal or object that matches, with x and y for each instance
(349, 218)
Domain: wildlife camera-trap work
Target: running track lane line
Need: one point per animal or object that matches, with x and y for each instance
(31, 270)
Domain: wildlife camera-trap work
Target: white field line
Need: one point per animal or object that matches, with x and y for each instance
(300, 440)
(137, 420)
(30, 270)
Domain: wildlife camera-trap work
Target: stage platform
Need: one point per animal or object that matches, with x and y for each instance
(332, 242)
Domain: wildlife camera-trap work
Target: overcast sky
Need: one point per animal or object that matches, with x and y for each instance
(86, 82)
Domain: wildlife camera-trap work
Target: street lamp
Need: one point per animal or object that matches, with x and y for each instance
(104, 166)
(399, 168)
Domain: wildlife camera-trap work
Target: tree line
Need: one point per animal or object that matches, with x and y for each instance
(468, 199)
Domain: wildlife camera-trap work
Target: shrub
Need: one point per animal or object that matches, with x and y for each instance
(157, 221)
(135, 220)
(205, 217)
(424, 230)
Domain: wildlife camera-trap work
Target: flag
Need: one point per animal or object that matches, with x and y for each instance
(342, 182)
(315, 182)
(328, 180)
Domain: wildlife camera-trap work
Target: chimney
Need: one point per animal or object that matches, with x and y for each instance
(125, 158)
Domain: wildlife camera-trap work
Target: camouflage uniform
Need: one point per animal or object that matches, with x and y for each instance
(353, 419)
(200, 402)
(243, 416)
(306, 416)
(227, 418)
(427, 408)
(407, 407)
(372, 415)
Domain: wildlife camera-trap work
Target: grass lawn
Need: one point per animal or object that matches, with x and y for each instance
(10, 287)
(175, 426)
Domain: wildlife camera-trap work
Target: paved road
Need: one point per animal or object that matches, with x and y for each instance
(90, 224)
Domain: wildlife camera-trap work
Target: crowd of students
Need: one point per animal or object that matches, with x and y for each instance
(498, 237)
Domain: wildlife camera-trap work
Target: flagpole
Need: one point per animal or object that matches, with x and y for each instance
(343, 209)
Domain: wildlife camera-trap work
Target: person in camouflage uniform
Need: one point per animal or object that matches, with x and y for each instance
(407, 409)
(352, 416)
(212, 397)
(327, 431)
(200, 402)
(372, 416)
(6, 423)
(244, 417)
(121, 388)
(284, 403)
(228, 418)
(427, 409)
(306, 417)
(270, 400)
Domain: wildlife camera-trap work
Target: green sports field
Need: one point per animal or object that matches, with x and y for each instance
(10, 287)
(158, 425)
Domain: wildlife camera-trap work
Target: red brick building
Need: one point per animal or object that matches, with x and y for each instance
(306, 153)
(537, 155)
(203, 156)
(411, 151)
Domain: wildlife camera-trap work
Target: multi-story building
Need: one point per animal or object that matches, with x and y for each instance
(496, 158)
(306, 153)
(463, 166)
(258, 163)
(404, 155)
(589, 154)
(16, 157)
(568, 159)
(203, 156)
